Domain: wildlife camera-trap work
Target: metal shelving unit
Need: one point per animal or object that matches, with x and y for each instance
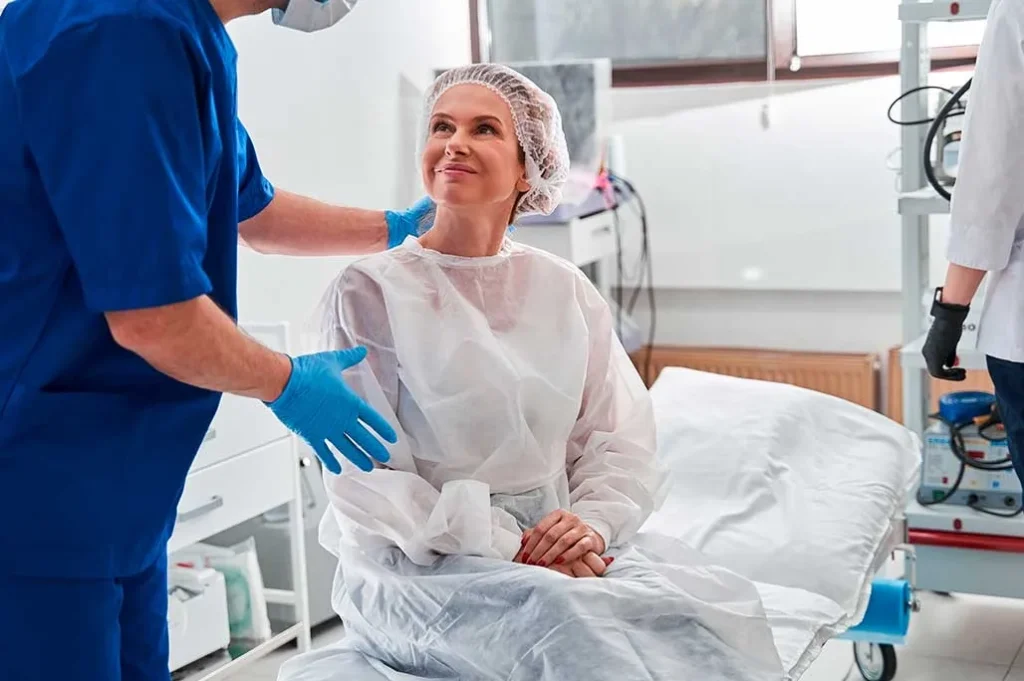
(919, 201)
(925, 11)
(957, 549)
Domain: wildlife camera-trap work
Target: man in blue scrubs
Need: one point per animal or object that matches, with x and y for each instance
(126, 183)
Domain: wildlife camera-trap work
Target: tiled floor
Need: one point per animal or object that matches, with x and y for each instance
(956, 638)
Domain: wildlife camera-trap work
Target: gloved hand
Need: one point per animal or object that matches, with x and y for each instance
(317, 405)
(411, 222)
(940, 346)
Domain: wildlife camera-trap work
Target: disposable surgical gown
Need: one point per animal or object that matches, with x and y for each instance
(521, 402)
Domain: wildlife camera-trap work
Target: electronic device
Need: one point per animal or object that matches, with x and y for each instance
(967, 459)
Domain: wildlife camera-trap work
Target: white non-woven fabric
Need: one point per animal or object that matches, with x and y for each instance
(653, 616)
(502, 377)
(512, 397)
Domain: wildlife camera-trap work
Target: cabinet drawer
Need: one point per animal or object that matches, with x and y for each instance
(241, 423)
(581, 242)
(232, 491)
(593, 239)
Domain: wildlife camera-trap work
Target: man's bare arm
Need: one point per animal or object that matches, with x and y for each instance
(297, 225)
(196, 343)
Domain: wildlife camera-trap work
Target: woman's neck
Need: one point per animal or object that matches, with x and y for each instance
(468, 234)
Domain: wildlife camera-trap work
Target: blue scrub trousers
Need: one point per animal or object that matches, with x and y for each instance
(1008, 379)
(85, 630)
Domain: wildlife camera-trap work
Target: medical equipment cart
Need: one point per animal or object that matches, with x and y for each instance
(956, 549)
(247, 465)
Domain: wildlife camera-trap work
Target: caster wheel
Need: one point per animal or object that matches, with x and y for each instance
(875, 661)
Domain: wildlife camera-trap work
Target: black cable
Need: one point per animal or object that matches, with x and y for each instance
(998, 514)
(625, 189)
(642, 262)
(618, 266)
(923, 121)
(956, 444)
(933, 130)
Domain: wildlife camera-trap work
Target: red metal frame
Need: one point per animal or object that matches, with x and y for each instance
(966, 540)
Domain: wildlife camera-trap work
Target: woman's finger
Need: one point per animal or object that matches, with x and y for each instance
(537, 533)
(581, 569)
(522, 547)
(583, 546)
(549, 538)
(568, 541)
(563, 570)
(595, 563)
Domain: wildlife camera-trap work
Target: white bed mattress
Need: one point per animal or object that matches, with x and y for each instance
(793, 489)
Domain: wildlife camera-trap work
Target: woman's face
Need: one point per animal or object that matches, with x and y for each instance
(472, 155)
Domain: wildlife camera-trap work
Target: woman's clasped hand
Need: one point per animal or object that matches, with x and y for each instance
(564, 543)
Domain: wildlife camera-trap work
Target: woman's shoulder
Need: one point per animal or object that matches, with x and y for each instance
(556, 266)
(548, 260)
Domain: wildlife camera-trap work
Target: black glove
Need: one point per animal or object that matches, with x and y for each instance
(940, 346)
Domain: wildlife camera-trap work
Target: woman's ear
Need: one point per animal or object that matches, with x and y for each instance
(522, 184)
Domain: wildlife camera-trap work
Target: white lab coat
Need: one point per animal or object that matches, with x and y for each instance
(987, 221)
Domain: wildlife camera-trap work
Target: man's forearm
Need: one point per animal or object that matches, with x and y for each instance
(297, 225)
(961, 284)
(196, 343)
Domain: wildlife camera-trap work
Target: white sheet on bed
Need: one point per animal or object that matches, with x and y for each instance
(794, 489)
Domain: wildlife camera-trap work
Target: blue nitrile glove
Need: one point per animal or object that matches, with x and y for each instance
(317, 405)
(411, 222)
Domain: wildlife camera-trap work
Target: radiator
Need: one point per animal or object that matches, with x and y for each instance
(853, 377)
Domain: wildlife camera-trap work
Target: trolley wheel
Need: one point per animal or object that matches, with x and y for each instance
(875, 661)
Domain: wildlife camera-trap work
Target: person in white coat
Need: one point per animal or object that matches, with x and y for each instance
(987, 225)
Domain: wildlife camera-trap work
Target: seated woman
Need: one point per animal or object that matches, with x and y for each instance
(526, 450)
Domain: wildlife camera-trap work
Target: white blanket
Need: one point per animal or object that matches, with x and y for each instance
(781, 505)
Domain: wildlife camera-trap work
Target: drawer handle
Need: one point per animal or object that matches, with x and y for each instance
(603, 229)
(210, 435)
(209, 507)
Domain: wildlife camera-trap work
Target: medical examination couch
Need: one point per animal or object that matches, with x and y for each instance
(801, 493)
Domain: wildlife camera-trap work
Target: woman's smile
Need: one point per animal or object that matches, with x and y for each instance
(456, 171)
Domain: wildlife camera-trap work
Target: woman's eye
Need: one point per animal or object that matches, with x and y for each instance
(441, 126)
(486, 129)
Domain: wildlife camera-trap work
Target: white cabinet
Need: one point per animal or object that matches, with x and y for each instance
(581, 241)
(221, 496)
(247, 465)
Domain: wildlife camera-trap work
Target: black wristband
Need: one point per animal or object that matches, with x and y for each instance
(950, 312)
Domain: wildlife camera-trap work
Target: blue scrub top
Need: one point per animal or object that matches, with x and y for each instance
(124, 172)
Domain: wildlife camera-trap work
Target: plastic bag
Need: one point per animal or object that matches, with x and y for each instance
(247, 603)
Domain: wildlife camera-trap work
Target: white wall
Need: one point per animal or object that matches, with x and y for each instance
(324, 111)
(332, 114)
(783, 236)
